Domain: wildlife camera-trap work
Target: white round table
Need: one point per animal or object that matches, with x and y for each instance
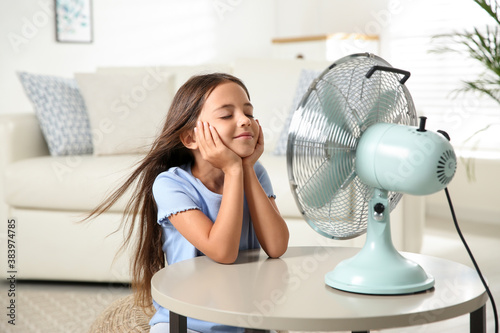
(289, 293)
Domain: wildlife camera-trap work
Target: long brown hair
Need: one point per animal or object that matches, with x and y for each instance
(140, 214)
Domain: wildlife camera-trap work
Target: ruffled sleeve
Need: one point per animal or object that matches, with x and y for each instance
(173, 194)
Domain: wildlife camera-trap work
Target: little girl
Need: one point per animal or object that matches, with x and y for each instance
(201, 190)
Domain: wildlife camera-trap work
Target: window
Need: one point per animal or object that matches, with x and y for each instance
(435, 77)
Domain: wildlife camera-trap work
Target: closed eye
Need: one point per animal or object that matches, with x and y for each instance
(248, 110)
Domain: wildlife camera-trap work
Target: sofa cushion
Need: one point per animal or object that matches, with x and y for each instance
(61, 112)
(80, 183)
(126, 111)
(73, 183)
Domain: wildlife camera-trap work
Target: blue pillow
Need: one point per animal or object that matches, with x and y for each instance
(61, 112)
(305, 79)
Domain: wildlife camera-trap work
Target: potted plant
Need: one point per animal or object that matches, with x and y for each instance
(482, 45)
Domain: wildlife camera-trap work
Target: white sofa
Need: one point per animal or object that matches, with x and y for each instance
(47, 195)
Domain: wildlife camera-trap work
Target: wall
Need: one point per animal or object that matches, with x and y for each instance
(128, 32)
(475, 201)
(314, 17)
(153, 32)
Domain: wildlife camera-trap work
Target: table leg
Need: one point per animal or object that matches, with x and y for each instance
(478, 320)
(178, 323)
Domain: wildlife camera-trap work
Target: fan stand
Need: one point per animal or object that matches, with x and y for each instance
(379, 269)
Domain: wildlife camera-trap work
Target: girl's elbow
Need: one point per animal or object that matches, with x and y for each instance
(225, 257)
(226, 261)
(277, 250)
(275, 254)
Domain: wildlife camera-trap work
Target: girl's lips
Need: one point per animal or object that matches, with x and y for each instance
(246, 135)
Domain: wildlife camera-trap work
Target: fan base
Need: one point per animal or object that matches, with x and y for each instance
(405, 277)
(379, 269)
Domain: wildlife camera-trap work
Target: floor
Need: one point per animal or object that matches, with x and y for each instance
(43, 307)
(54, 307)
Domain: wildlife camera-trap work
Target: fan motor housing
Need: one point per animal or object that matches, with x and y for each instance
(404, 159)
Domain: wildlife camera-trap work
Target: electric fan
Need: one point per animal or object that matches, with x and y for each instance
(353, 148)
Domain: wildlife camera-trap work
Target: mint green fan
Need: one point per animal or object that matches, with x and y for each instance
(353, 148)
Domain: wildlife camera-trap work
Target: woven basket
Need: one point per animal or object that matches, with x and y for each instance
(121, 316)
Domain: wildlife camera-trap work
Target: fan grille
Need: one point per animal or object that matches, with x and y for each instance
(338, 107)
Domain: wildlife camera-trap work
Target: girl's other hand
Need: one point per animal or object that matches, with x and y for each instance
(259, 149)
(213, 150)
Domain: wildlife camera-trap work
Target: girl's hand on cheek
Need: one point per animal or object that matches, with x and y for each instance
(213, 150)
(259, 149)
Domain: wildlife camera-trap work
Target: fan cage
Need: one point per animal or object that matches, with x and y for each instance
(338, 107)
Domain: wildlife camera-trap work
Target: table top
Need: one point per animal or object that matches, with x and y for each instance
(289, 293)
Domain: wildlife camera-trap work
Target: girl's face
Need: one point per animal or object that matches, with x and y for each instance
(230, 112)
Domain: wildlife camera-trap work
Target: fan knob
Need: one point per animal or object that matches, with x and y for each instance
(421, 127)
(379, 208)
(378, 211)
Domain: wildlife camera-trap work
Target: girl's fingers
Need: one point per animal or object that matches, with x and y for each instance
(200, 138)
(208, 138)
(206, 130)
(198, 130)
(261, 134)
(201, 132)
(214, 135)
(209, 135)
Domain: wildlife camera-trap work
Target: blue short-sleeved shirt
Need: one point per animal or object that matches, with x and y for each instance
(177, 190)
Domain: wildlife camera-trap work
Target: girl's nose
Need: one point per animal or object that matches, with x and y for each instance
(244, 121)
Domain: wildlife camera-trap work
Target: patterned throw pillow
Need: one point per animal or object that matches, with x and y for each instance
(61, 112)
(305, 80)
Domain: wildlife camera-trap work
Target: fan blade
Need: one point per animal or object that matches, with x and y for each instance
(331, 157)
